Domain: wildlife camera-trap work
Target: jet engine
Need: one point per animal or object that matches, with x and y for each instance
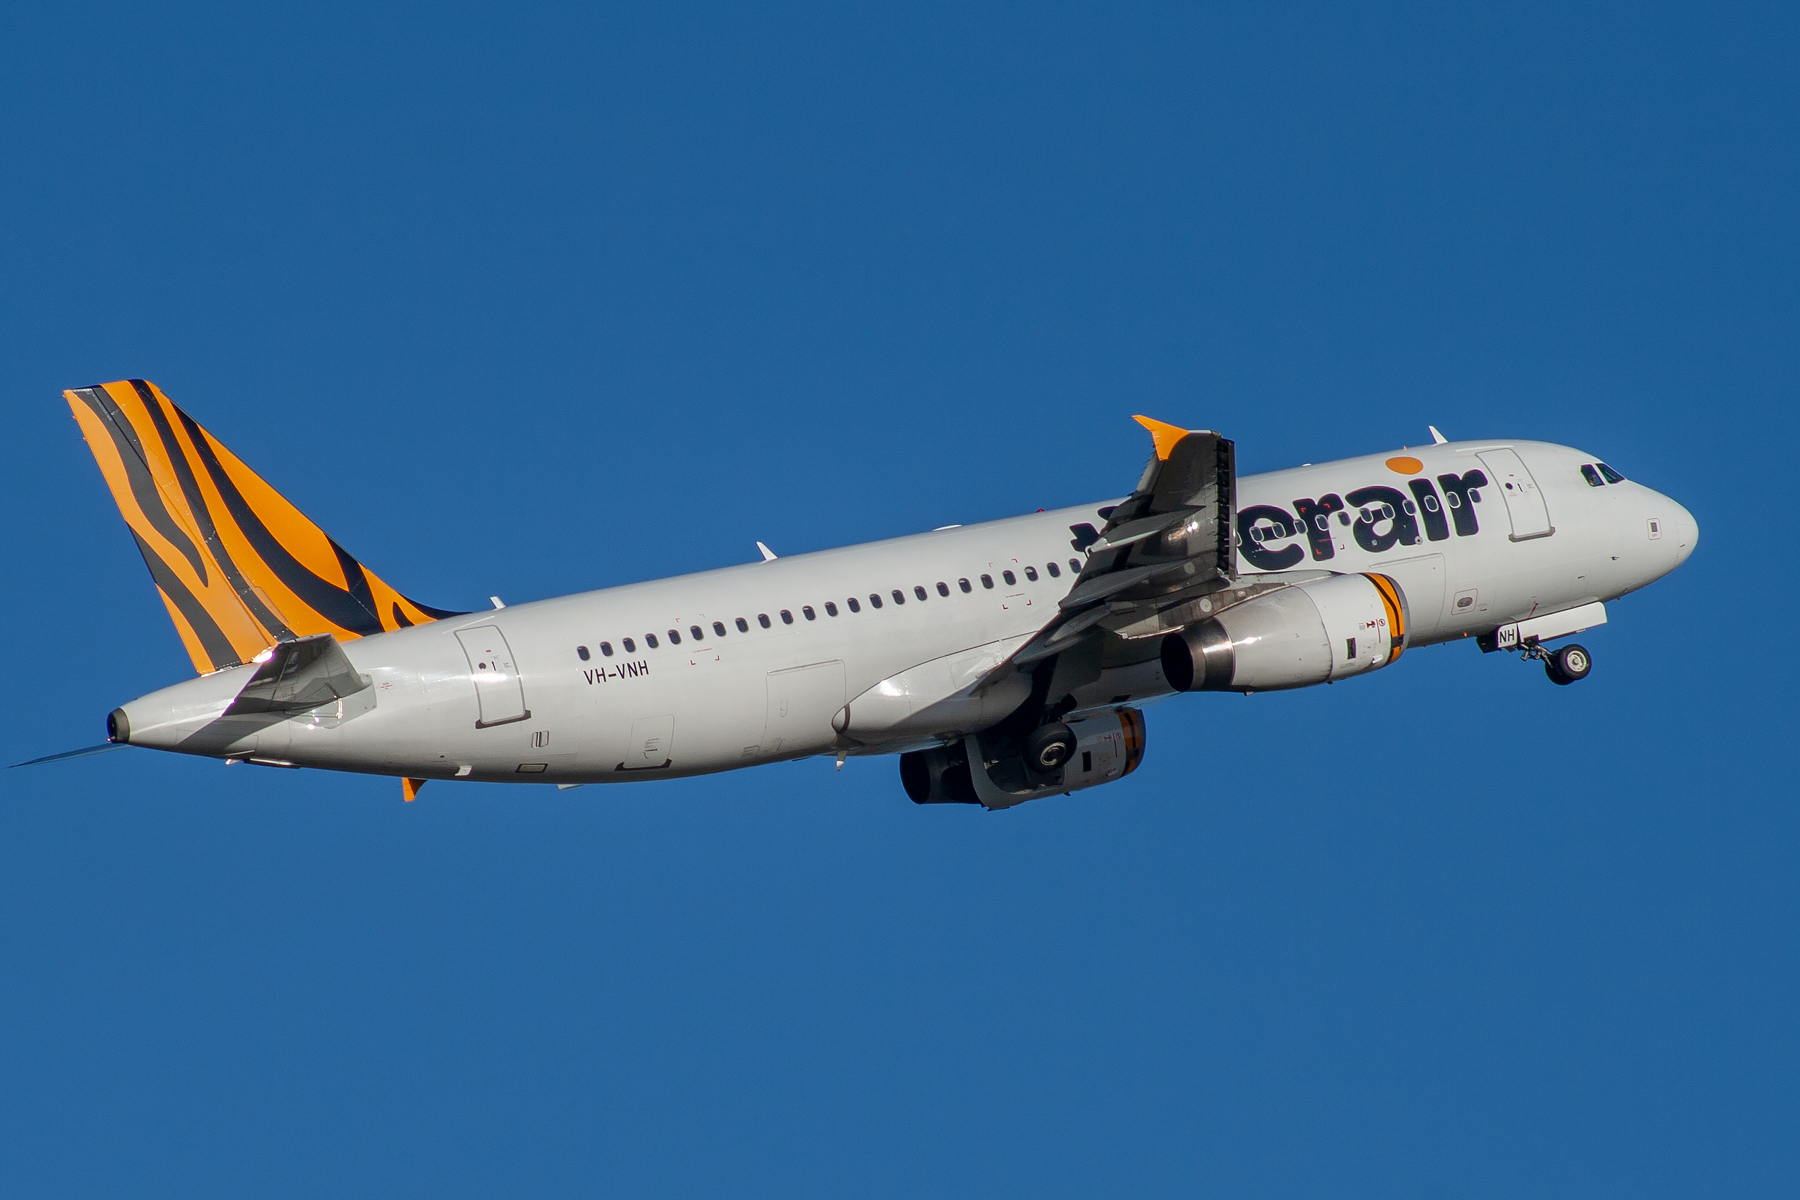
(986, 769)
(1316, 632)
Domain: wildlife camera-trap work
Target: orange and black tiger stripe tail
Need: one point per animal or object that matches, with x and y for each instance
(239, 568)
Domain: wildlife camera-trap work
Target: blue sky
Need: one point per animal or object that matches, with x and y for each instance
(529, 300)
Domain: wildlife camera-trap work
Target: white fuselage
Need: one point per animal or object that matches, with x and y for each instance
(447, 696)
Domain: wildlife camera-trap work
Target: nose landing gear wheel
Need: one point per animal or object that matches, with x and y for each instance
(1568, 664)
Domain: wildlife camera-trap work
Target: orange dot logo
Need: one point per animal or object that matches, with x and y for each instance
(1405, 464)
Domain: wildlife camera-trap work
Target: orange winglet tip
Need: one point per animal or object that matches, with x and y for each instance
(1163, 434)
(410, 788)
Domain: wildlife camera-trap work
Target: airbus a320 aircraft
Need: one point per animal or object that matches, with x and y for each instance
(1002, 662)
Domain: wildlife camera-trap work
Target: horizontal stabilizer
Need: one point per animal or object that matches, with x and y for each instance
(84, 752)
(299, 676)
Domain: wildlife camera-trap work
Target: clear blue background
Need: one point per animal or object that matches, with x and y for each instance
(532, 300)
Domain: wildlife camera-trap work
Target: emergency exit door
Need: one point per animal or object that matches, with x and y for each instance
(1525, 505)
(496, 678)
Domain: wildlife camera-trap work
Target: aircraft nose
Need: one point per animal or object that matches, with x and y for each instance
(1673, 531)
(1683, 530)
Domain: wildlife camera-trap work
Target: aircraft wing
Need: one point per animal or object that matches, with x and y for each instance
(1163, 548)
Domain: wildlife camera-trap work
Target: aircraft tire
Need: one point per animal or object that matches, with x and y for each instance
(1049, 747)
(1568, 665)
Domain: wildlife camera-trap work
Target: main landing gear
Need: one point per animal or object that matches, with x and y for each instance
(1565, 665)
(1049, 747)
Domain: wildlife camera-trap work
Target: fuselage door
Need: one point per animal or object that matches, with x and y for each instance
(652, 745)
(496, 678)
(802, 702)
(1525, 505)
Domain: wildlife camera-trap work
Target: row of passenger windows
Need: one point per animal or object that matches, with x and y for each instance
(1371, 514)
(853, 603)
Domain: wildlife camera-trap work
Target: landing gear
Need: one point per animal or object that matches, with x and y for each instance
(1049, 747)
(1563, 666)
(1568, 664)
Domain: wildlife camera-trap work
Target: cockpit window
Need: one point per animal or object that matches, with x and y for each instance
(1612, 476)
(1592, 476)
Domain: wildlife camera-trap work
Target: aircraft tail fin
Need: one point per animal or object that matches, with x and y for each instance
(239, 568)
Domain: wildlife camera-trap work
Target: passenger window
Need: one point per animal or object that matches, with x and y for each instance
(1031, 574)
(606, 648)
(743, 625)
(581, 653)
(987, 581)
(1075, 566)
(650, 640)
(1592, 476)
(1408, 506)
(719, 628)
(1612, 476)
(919, 592)
(899, 596)
(964, 585)
(787, 618)
(874, 599)
(1055, 571)
(674, 637)
(806, 610)
(762, 619)
(1475, 495)
(854, 606)
(1343, 518)
(830, 609)
(1009, 577)
(630, 646)
(943, 588)
(699, 635)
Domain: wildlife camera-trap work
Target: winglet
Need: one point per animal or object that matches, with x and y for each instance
(410, 788)
(1164, 435)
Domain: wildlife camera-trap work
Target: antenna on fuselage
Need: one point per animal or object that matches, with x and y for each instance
(768, 554)
(1436, 437)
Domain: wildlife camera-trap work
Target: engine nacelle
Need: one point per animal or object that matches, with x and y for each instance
(1107, 747)
(1310, 633)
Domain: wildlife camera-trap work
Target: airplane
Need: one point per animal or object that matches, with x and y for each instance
(1001, 662)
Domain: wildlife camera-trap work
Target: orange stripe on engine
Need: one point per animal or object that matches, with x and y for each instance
(1390, 598)
(1132, 722)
